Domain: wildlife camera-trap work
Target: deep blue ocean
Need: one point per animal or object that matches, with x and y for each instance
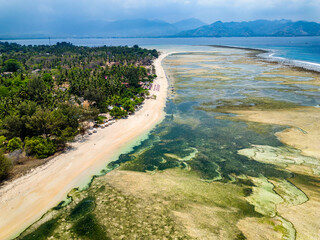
(298, 50)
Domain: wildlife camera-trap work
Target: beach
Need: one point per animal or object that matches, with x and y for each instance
(227, 162)
(26, 199)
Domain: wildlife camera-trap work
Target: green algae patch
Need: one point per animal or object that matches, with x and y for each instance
(63, 203)
(183, 159)
(263, 198)
(288, 71)
(286, 228)
(115, 215)
(205, 209)
(42, 232)
(207, 170)
(248, 61)
(267, 228)
(89, 228)
(304, 217)
(289, 192)
(316, 170)
(248, 103)
(289, 81)
(291, 76)
(85, 206)
(160, 154)
(280, 156)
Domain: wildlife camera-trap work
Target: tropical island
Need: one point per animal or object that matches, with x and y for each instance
(174, 120)
(79, 94)
(49, 94)
(226, 162)
(234, 154)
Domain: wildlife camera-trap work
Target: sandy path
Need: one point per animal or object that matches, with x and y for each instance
(26, 199)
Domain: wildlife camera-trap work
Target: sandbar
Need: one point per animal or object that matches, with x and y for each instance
(304, 123)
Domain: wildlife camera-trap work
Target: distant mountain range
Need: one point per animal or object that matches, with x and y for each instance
(258, 28)
(148, 28)
(120, 28)
(156, 28)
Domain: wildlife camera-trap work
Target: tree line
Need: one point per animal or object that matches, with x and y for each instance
(46, 92)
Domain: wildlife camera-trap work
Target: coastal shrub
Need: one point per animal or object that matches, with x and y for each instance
(5, 166)
(65, 135)
(12, 65)
(14, 143)
(99, 119)
(118, 113)
(2, 141)
(138, 100)
(40, 147)
(128, 105)
(47, 78)
(11, 126)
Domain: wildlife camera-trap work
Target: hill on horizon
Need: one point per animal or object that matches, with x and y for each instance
(120, 28)
(191, 27)
(258, 28)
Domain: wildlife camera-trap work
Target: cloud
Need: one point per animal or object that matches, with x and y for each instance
(25, 14)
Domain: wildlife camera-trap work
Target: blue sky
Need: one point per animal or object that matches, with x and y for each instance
(168, 10)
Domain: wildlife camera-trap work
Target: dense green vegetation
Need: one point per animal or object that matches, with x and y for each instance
(46, 92)
(5, 166)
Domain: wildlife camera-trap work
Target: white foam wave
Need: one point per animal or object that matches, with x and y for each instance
(270, 56)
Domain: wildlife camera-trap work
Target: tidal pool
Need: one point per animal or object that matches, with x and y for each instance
(205, 173)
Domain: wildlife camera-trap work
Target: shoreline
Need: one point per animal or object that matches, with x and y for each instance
(24, 200)
(268, 56)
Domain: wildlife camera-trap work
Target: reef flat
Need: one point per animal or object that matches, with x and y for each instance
(235, 158)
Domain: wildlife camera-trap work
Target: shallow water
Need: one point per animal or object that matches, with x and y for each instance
(298, 51)
(199, 137)
(192, 121)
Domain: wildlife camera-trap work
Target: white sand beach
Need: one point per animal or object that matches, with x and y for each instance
(26, 199)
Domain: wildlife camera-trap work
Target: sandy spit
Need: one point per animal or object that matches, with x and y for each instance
(26, 199)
